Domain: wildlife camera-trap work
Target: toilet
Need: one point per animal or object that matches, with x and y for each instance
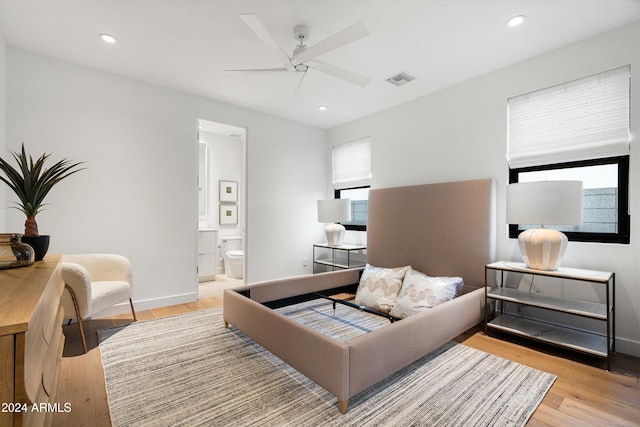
(233, 256)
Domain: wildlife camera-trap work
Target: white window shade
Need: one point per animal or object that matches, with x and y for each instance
(579, 120)
(352, 164)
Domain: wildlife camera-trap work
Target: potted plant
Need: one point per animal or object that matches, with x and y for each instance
(31, 182)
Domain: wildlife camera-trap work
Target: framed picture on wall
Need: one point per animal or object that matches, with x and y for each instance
(228, 214)
(228, 191)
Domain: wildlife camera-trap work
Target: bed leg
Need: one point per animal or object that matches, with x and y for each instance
(342, 406)
(226, 324)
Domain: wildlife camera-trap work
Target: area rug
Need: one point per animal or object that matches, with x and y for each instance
(188, 370)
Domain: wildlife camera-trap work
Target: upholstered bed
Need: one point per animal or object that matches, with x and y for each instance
(443, 229)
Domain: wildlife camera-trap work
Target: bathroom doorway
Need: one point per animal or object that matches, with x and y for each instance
(221, 207)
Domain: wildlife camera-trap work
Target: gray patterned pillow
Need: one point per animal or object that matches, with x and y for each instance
(420, 291)
(379, 287)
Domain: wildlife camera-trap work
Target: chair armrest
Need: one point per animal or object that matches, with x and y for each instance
(77, 278)
(103, 267)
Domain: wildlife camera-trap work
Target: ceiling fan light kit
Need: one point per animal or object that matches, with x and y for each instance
(304, 58)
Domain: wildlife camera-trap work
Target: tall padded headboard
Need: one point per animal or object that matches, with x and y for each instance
(444, 229)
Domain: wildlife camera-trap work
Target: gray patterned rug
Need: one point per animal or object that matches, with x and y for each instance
(189, 370)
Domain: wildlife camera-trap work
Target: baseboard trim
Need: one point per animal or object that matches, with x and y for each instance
(148, 304)
(629, 347)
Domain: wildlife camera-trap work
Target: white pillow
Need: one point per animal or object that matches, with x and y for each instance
(379, 287)
(420, 291)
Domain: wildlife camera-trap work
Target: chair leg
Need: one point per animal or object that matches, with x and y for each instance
(77, 309)
(133, 310)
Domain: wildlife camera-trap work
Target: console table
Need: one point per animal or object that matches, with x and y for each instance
(31, 342)
(341, 257)
(600, 344)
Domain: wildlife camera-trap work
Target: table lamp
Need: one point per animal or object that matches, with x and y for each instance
(331, 212)
(544, 203)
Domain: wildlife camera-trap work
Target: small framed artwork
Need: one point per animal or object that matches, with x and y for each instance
(228, 214)
(228, 191)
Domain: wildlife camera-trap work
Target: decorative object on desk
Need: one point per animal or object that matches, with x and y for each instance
(31, 182)
(544, 203)
(40, 245)
(14, 253)
(228, 192)
(333, 211)
(228, 214)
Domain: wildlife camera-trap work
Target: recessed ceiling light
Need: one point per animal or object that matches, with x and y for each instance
(515, 21)
(108, 38)
(322, 107)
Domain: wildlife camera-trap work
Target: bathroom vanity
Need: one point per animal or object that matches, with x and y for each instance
(207, 254)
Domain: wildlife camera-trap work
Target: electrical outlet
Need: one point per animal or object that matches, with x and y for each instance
(304, 262)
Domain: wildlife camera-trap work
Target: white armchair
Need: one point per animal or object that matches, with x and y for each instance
(93, 283)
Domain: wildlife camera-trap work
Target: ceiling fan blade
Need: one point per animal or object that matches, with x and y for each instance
(346, 36)
(258, 70)
(256, 26)
(295, 92)
(341, 73)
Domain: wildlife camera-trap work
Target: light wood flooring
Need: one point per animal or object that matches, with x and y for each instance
(582, 395)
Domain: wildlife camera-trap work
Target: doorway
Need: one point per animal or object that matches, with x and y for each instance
(221, 206)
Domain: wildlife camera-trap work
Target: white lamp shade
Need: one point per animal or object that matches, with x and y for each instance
(545, 203)
(334, 210)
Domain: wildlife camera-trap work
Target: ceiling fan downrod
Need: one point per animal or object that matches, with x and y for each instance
(300, 33)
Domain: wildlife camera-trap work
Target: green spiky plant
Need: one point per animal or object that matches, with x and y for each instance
(32, 181)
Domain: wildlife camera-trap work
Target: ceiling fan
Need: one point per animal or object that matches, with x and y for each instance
(303, 58)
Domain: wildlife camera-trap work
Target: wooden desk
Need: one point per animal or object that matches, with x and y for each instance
(31, 342)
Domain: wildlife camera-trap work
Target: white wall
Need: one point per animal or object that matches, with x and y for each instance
(460, 133)
(139, 195)
(283, 190)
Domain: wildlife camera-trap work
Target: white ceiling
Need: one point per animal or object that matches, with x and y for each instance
(187, 44)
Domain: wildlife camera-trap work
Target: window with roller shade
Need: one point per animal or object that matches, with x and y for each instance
(352, 179)
(577, 130)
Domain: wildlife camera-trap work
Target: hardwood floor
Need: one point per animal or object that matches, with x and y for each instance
(81, 377)
(582, 395)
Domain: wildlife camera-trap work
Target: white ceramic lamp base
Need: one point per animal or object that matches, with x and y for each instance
(335, 234)
(542, 248)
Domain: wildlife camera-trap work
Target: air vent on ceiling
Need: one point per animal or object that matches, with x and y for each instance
(234, 135)
(400, 79)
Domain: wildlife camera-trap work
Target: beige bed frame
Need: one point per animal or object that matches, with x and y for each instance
(444, 229)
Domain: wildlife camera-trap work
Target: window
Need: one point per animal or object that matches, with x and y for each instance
(577, 131)
(359, 205)
(351, 179)
(605, 197)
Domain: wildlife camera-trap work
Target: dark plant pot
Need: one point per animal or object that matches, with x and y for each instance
(40, 245)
